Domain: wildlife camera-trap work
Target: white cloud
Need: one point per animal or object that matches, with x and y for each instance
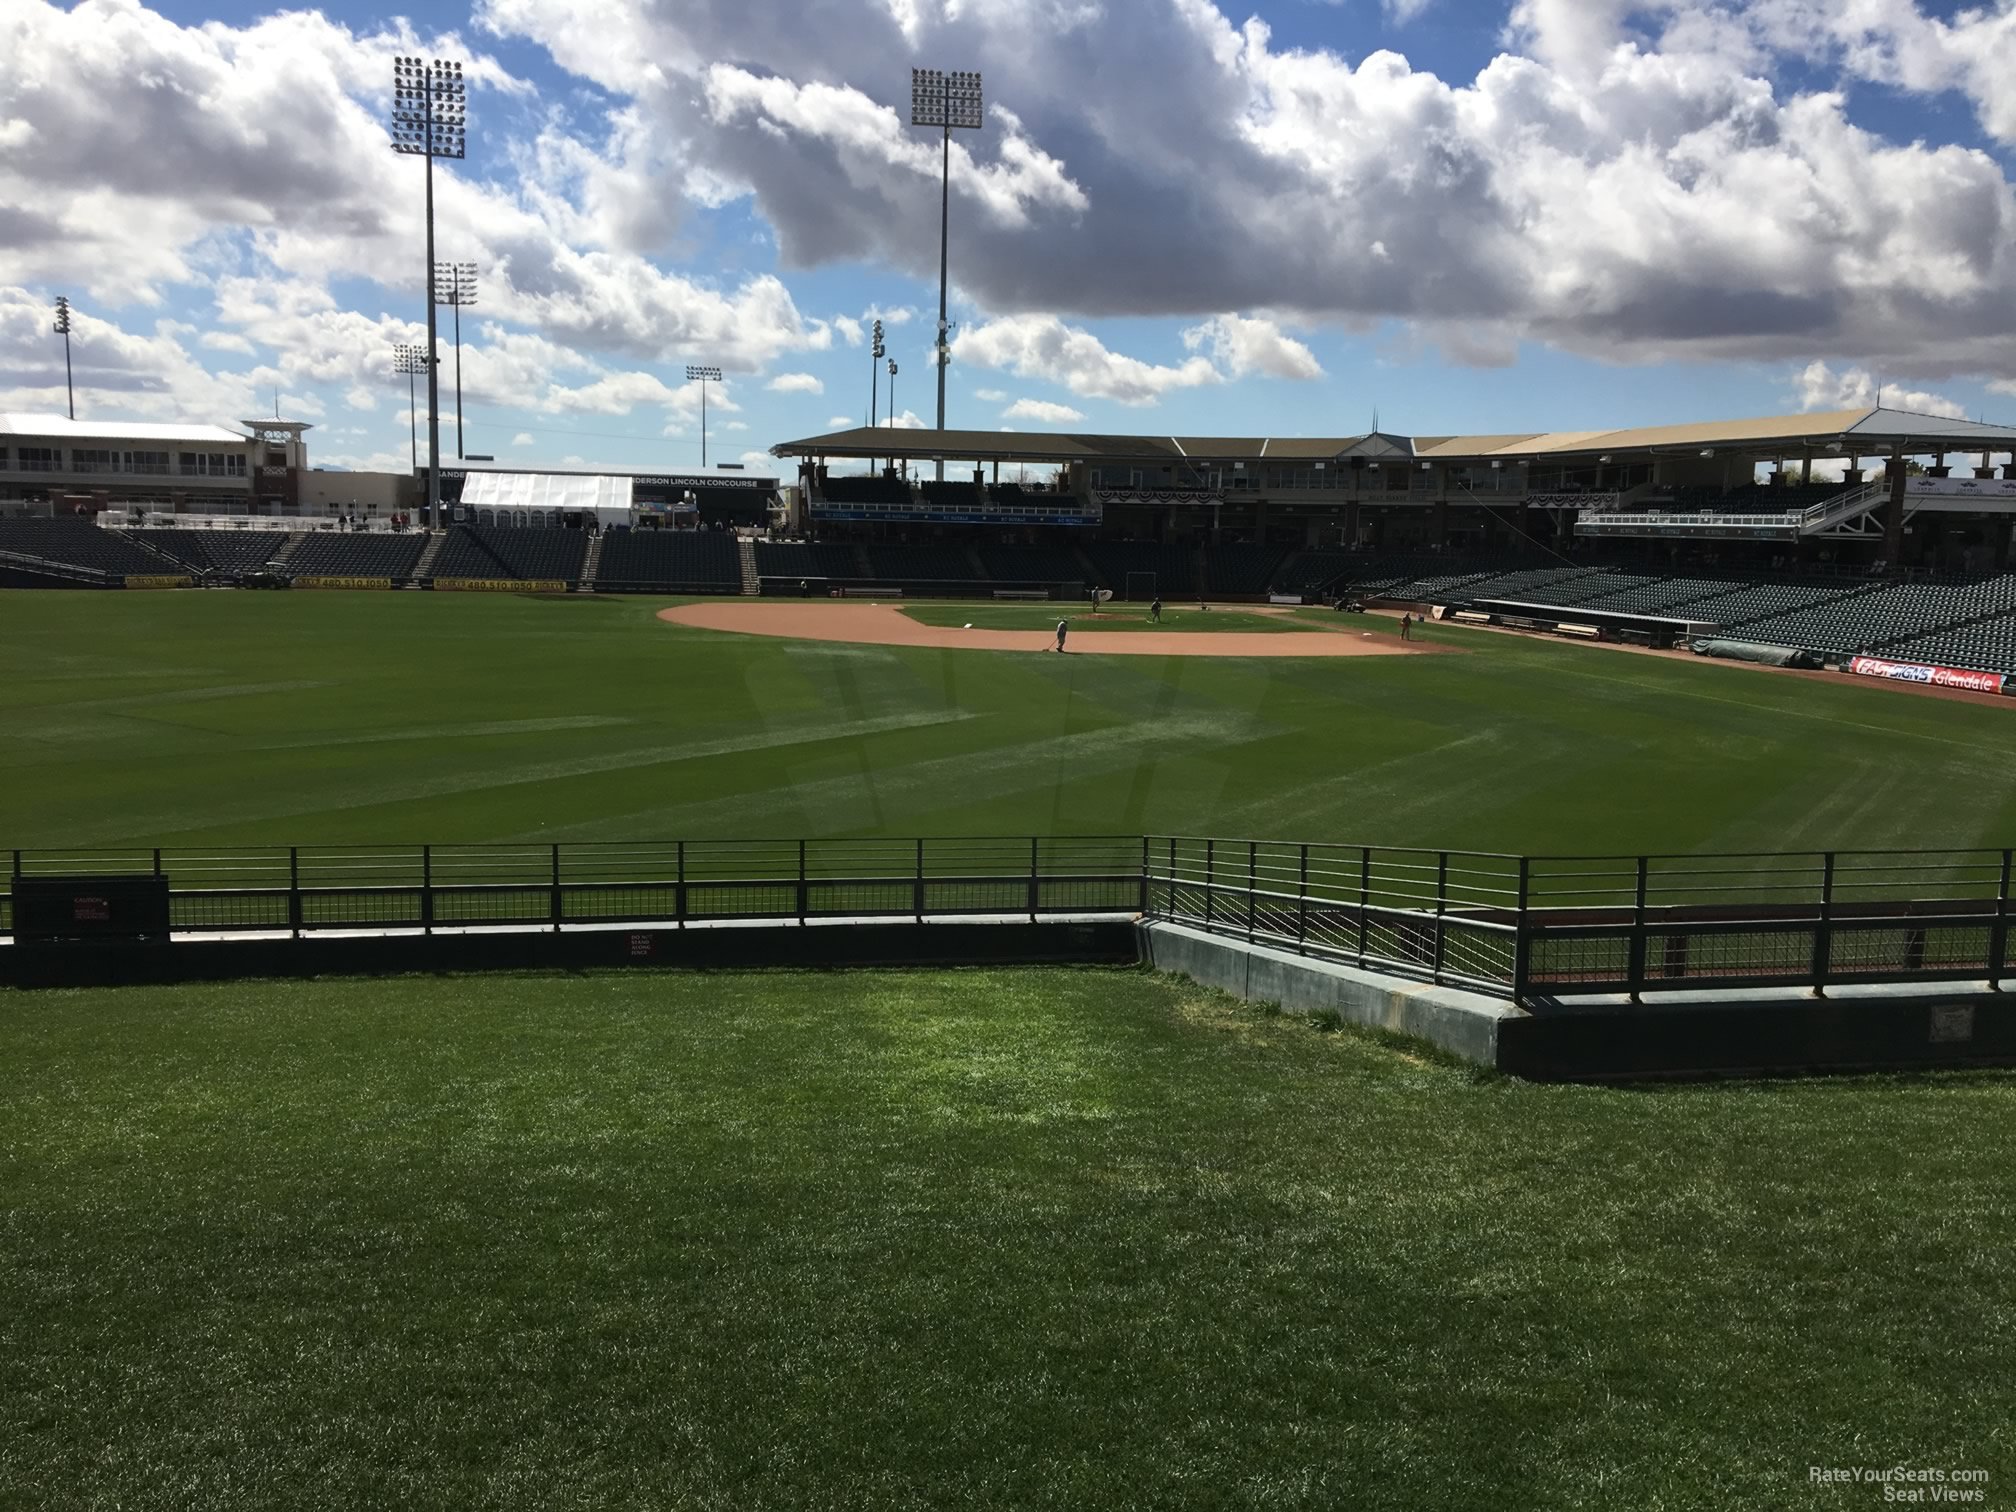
(1627, 178)
(226, 341)
(1822, 388)
(906, 421)
(795, 383)
(523, 438)
(1243, 346)
(1042, 410)
(990, 396)
(838, 422)
(1042, 346)
(736, 425)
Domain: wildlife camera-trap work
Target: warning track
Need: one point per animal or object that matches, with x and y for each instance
(883, 625)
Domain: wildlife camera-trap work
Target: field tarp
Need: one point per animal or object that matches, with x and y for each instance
(1756, 651)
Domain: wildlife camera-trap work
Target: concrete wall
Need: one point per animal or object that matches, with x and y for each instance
(1463, 1023)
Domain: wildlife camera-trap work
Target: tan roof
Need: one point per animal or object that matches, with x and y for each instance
(1876, 430)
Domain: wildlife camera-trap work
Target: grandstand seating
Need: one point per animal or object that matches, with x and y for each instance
(328, 553)
(80, 543)
(814, 560)
(1989, 646)
(950, 495)
(1881, 617)
(1670, 596)
(1752, 600)
(1242, 569)
(483, 551)
(687, 561)
(1312, 571)
(228, 552)
(1175, 567)
(865, 491)
(1031, 564)
(937, 564)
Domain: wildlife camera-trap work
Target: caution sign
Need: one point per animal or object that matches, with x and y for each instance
(159, 582)
(500, 585)
(343, 582)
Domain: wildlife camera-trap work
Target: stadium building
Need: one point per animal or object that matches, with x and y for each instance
(1860, 487)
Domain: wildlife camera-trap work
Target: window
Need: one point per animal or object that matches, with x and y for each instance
(93, 460)
(40, 459)
(213, 464)
(147, 462)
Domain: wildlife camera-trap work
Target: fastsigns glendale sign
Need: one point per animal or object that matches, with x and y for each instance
(1938, 677)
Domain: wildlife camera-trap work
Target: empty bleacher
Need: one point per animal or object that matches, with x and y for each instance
(919, 564)
(484, 551)
(226, 552)
(861, 490)
(1174, 568)
(1989, 646)
(1242, 569)
(329, 553)
(80, 543)
(813, 561)
(669, 561)
(1031, 564)
(1894, 614)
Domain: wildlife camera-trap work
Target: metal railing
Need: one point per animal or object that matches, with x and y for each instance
(1528, 927)
(1533, 927)
(304, 889)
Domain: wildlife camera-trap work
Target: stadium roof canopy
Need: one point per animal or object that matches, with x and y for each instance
(1855, 432)
(61, 428)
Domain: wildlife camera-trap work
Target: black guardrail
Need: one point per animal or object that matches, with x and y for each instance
(1528, 927)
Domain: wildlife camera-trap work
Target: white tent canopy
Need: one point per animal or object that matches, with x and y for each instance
(542, 498)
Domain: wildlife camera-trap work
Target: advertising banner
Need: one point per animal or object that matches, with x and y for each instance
(1938, 677)
(499, 585)
(342, 582)
(158, 582)
(1983, 488)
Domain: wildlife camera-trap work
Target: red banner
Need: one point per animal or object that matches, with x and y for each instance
(1938, 677)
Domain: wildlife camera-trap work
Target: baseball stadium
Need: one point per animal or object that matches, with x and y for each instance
(1127, 984)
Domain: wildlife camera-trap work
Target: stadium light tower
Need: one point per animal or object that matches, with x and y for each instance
(411, 361)
(430, 119)
(944, 100)
(63, 330)
(455, 284)
(892, 396)
(703, 376)
(874, 371)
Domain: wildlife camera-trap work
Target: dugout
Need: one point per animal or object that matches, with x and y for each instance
(1657, 631)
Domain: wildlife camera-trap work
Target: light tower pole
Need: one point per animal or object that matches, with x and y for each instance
(63, 330)
(874, 371)
(703, 376)
(455, 284)
(944, 100)
(892, 403)
(430, 118)
(411, 361)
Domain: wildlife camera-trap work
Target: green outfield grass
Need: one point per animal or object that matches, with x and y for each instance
(170, 718)
(1070, 1239)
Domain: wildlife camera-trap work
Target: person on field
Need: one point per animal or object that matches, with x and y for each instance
(1062, 627)
(1406, 627)
(1155, 611)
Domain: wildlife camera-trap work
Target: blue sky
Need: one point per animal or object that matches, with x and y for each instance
(1527, 215)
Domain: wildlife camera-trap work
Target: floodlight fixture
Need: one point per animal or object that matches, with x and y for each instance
(411, 360)
(703, 376)
(430, 119)
(950, 101)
